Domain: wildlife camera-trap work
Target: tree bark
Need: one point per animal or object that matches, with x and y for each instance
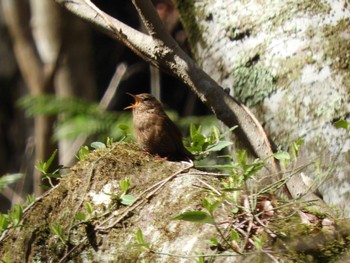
(289, 62)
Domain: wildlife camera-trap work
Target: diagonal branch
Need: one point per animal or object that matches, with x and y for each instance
(161, 51)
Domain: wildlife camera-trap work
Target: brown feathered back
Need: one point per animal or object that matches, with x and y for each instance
(154, 130)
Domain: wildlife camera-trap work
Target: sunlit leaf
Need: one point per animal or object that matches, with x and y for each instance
(196, 216)
(81, 216)
(342, 124)
(127, 199)
(281, 156)
(98, 145)
(219, 146)
(234, 235)
(89, 208)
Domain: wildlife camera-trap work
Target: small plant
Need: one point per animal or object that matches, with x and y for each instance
(85, 217)
(44, 167)
(202, 145)
(122, 198)
(140, 240)
(15, 215)
(109, 142)
(83, 152)
(12, 219)
(57, 230)
(254, 209)
(4, 222)
(125, 199)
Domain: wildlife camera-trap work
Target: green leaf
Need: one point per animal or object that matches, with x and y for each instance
(81, 216)
(50, 160)
(123, 127)
(228, 131)
(124, 184)
(82, 153)
(216, 133)
(241, 157)
(194, 130)
(219, 146)
(98, 145)
(140, 241)
(342, 124)
(217, 166)
(57, 230)
(196, 216)
(29, 200)
(40, 166)
(253, 168)
(138, 245)
(210, 206)
(200, 259)
(15, 215)
(295, 147)
(234, 236)
(8, 179)
(3, 222)
(281, 156)
(43, 167)
(109, 141)
(213, 241)
(127, 199)
(89, 208)
(258, 243)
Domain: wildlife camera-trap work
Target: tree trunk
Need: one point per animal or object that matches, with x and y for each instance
(289, 62)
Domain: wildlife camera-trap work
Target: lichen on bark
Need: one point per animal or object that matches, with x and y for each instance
(290, 65)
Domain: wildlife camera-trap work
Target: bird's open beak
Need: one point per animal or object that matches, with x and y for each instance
(136, 103)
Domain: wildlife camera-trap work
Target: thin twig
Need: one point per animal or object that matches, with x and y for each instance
(113, 86)
(210, 187)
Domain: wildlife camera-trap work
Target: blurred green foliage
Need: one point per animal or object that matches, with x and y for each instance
(77, 117)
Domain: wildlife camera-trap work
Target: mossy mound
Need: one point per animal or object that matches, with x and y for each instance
(83, 219)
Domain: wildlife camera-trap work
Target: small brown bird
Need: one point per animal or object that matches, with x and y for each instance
(154, 130)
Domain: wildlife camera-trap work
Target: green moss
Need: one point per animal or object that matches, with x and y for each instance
(61, 205)
(189, 15)
(337, 48)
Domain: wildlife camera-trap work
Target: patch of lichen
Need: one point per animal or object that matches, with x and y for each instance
(253, 83)
(189, 15)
